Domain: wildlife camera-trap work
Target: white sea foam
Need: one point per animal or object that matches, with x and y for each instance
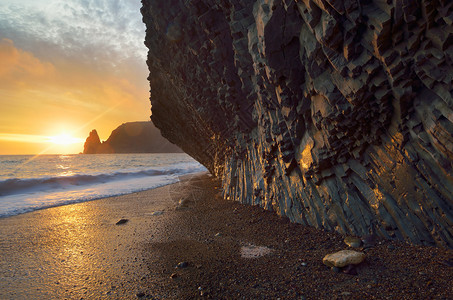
(29, 183)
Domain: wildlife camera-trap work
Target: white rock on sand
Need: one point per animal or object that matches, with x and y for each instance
(343, 258)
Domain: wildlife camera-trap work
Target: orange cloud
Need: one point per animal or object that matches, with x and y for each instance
(16, 63)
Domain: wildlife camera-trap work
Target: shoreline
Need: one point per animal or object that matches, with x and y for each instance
(77, 251)
(76, 201)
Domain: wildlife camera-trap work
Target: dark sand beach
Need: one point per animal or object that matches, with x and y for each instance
(78, 252)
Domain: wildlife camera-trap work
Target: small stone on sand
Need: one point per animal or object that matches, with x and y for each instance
(182, 265)
(122, 221)
(352, 241)
(343, 258)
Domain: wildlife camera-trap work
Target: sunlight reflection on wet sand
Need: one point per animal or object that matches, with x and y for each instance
(75, 250)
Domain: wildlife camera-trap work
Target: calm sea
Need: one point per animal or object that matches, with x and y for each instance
(28, 183)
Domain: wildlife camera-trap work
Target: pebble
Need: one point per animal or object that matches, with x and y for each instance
(122, 221)
(182, 265)
(343, 258)
(183, 203)
(353, 241)
(218, 234)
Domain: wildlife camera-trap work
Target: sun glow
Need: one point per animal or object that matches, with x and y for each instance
(58, 143)
(64, 139)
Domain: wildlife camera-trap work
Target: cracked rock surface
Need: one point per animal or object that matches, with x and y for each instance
(336, 114)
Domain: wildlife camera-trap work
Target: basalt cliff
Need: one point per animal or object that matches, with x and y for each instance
(131, 137)
(336, 114)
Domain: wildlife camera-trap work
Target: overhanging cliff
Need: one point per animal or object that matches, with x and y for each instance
(337, 114)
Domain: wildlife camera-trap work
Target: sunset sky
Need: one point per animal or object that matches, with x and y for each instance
(67, 67)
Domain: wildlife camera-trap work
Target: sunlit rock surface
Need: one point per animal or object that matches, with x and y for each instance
(343, 258)
(337, 114)
(131, 137)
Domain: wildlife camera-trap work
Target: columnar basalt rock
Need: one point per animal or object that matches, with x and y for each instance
(336, 114)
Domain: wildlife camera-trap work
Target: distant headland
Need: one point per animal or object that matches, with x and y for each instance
(131, 137)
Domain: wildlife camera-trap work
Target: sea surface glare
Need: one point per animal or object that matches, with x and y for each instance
(29, 183)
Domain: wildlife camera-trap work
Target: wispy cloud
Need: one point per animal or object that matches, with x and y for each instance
(102, 33)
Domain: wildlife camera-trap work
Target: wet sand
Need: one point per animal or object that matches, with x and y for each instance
(227, 251)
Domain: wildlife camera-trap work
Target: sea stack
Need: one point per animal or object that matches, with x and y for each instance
(336, 114)
(92, 143)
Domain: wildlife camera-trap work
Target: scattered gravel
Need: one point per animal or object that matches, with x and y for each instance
(391, 269)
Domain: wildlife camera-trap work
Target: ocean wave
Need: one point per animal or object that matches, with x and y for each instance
(19, 204)
(15, 186)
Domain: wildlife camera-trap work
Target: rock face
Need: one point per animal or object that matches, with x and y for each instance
(132, 137)
(337, 114)
(92, 143)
